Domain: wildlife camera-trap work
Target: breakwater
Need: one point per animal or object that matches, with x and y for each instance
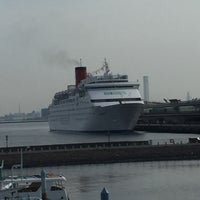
(102, 152)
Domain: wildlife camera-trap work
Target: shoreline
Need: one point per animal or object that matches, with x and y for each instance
(22, 121)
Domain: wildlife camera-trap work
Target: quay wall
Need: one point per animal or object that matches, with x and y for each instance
(169, 128)
(92, 153)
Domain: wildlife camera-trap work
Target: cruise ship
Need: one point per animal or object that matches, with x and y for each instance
(97, 103)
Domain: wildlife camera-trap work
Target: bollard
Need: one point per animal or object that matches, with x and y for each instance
(43, 180)
(104, 194)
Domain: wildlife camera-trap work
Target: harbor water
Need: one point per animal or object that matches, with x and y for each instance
(179, 180)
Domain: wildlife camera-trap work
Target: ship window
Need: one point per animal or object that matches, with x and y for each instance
(33, 187)
(55, 187)
(187, 108)
(110, 87)
(147, 110)
(114, 100)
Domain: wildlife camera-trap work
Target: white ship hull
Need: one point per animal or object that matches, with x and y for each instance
(115, 118)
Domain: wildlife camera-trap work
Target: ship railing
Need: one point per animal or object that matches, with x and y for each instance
(110, 77)
(73, 146)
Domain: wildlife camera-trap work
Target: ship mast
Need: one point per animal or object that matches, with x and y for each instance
(105, 66)
(80, 62)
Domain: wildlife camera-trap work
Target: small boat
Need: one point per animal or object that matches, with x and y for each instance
(36, 187)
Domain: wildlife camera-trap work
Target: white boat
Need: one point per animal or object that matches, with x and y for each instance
(106, 103)
(30, 188)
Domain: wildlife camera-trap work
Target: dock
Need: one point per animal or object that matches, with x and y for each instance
(96, 153)
(169, 128)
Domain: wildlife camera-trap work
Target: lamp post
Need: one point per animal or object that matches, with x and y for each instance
(6, 141)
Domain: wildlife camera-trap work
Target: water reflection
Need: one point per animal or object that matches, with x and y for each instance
(139, 181)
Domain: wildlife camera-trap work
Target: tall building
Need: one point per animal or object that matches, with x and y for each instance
(146, 88)
(188, 96)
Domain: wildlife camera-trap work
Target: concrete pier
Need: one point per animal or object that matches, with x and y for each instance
(102, 152)
(169, 128)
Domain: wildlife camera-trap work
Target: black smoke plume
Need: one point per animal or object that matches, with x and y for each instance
(59, 58)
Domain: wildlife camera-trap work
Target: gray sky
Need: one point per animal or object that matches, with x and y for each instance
(41, 41)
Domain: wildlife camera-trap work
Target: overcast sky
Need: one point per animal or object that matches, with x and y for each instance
(42, 40)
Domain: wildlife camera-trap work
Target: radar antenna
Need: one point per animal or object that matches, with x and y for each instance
(104, 68)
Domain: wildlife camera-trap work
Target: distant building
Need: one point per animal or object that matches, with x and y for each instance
(33, 115)
(188, 96)
(44, 113)
(15, 117)
(146, 88)
(21, 116)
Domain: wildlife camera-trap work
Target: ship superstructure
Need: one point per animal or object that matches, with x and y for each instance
(96, 103)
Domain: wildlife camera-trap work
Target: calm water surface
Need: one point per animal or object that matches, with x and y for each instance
(177, 180)
(38, 133)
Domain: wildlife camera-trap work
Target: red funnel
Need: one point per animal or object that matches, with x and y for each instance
(81, 74)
